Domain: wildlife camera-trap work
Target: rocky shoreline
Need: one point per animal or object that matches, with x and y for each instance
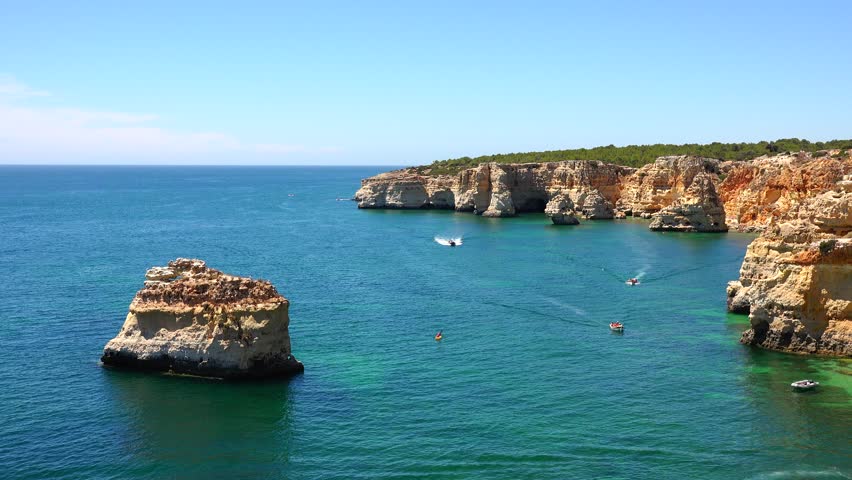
(682, 193)
(796, 278)
(195, 320)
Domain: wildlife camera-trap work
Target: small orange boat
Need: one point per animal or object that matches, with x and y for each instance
(439, 336)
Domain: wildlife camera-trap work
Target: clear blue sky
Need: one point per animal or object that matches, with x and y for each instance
(406, 83)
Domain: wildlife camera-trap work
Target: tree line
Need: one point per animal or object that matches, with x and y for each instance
(638, 155)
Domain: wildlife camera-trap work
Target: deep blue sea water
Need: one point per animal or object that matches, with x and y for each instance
(528, 382)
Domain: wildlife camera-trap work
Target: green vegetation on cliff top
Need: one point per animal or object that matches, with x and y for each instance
(638, 155)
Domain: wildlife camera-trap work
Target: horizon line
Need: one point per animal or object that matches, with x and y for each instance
(186, 165)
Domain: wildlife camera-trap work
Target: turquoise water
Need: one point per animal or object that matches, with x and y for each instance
(528, 383)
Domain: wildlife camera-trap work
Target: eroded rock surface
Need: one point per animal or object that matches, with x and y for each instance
(796, 278)
(661, 184)
(751, 194)
(501, 190)
(698, 209)
(405, 189)
(596, 189)
(193, 319)
(560, 209)
(501, 203)
(766, 188)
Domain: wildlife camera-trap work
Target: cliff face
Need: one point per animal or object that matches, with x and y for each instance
(406, 189)
(660, 184)
(678, 193)
(682, 193)
(698, 209)
(796, 278)
(192, 319)
(564, 190)
(496, 190)
(766, 188)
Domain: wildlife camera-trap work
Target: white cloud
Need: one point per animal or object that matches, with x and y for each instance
(277, 148)
(12, 89)
(37, 134)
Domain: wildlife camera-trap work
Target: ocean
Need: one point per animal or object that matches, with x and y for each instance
(528, 381)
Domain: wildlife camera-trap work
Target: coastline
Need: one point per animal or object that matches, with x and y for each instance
(686, 194)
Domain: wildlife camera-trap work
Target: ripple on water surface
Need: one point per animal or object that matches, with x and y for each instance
(528, 382)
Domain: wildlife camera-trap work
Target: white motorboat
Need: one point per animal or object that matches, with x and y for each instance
(449, 242)
(804, 385)
(616, 326)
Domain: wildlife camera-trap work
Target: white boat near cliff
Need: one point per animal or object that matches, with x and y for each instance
(804, 385)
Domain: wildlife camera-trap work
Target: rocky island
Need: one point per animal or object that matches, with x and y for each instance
(192, 319)
(796, 278)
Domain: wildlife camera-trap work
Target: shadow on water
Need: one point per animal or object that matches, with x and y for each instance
(201, 427)
(802, 419)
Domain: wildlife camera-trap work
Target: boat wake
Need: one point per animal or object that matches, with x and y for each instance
(449, 242)
(802, 474)
(567, 319)
(636, 280)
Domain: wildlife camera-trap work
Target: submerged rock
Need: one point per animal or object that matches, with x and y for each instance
(192, 319)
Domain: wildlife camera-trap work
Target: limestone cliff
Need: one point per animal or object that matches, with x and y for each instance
(698, 209)
(796, 278)
(192, 319)
(661, 184)
(561, 210)
(564, 190)
(498, 190)
(501, 203)
(751, 195)
(766, 188)
(686, 193)
(406, 189)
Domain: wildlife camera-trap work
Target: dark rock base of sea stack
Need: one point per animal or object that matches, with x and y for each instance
(738, 298)
(796, 342)
(268, 368)
(193, 320)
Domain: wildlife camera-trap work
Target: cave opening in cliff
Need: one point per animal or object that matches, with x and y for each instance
(532, 205)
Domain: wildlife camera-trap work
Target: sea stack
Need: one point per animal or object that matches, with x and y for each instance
(677, 192)
(192, 319)
(560, 209)
(697, 210)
